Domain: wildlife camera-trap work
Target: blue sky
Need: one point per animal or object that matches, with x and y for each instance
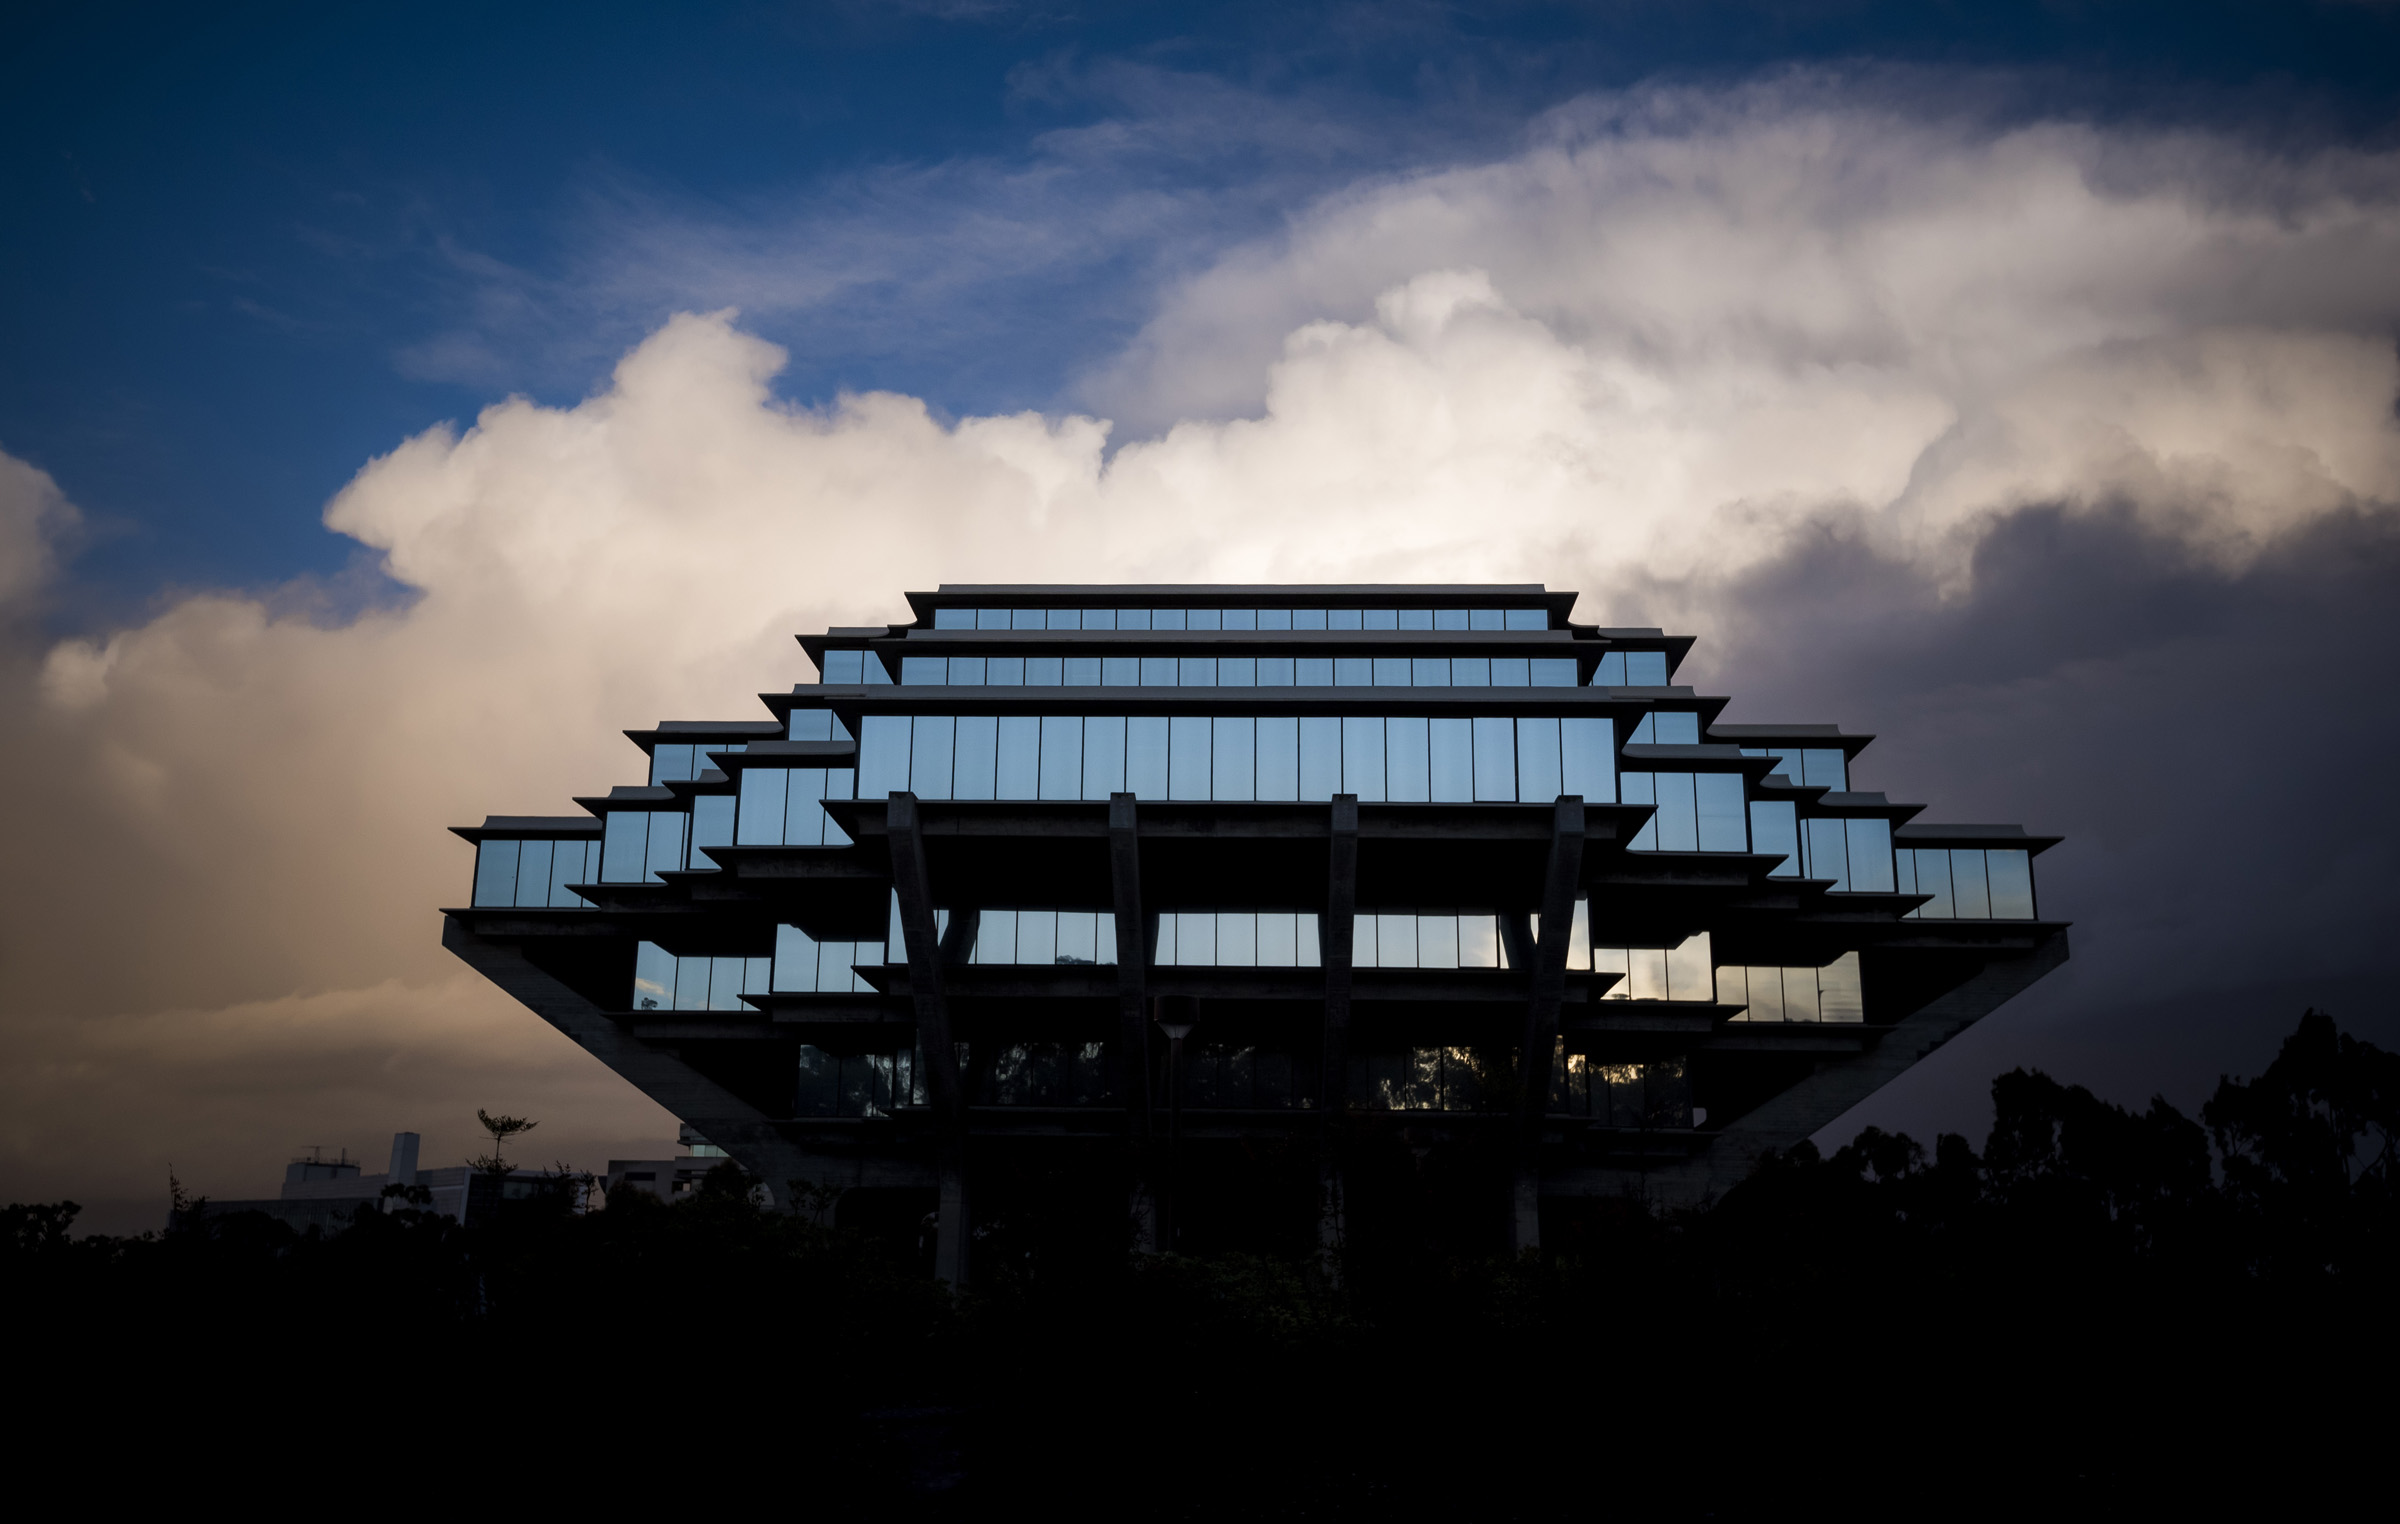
(251, 247)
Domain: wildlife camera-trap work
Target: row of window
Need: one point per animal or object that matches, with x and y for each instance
(1655, 1094)
(1403, 758)
(1969, 884)
(1241, 619)
(683, 762)
(1238, 671)
(535, 873)
(1831, 993)
(1810, 767)
(664, 982)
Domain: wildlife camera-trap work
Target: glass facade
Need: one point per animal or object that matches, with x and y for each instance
(1968, 883)
(528, 874)
(1241, 619)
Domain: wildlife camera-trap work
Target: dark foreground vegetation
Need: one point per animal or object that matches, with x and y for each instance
(2101, 1306)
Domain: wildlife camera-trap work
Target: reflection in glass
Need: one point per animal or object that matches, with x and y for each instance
(1828, 850)
(1968, 888)
(1062, 757)
(653, 978)
(1275, 672)
(1279, 757)
(976, 756)
(1646, 968)
(1158, 671)
(1824, 768)
(1870, 856)
(2011, 875)
(1362, 758)
(1278, 939)
(666, 846)
(1103, 756)
(1554, 672)
(1495, 759)
(1037, 936)
(1005, 672)
(1431, 672)
(1146, 756)
(882, 755)
(804, 819)
(1677, 819)
(573, 862)
(966, 671)
(1313, 671)
(1691, 971)
(1774, 827)
(712, 826)
(1198, 672)
(1078, 937)
(1353, 671)
(1451, 774)
(670, 764)
(1018, 774)
(1082, 671)
(1437, 941)
(1719, 800)
(1320, 757)
(1188, 757)
(625, 841)
(1645, 669)
(1120, 671)
(1408, 759)
(1395, 941)
(1237, 939)
(1538, 777)
(924, 670)
(1470, 672)
(929, 756)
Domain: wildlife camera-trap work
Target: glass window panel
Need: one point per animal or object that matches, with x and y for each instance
(1528, 619)
(1205, 619)
(803, 814)
(1470, 672)
(1538, 778)
(1162, 952)
(1824, 768)
(1241, 619)
(1103, 755)
(1799, 994)
(1362, 942)
(496, 869)
(1313, 671)
(838, 782)
(996, 937)
(712, 825)
(1018, 774)
(1275, 672)
(1237, 672)
(670, 764)
(1642, 788)
(843, 666)
(1478, 941)
(1029, 619)
(1484, 619)
(1407, 760)
(1969, 890)
(1645, 669)
(1279, 757)
(691, 984)
(1676, 727)
(1037, 936)
(1362, 758)
(1495, 759)
(1449, 619)
(1278, 939)
(1840, 996)
(2011, 877)
(1305, 925)
(924, 671)
(1236, 748)
(1765, 991)
(991, 619)
(966, 671)
(813, 725)
(1646, 973)
(1078, 937)
(1382, 619)
(1082, 671)
(1416, 619)
(1062, 757)
(666, 846)
(1719, 800)
(929, 756)
(1587, 763)
(1120, 671)
(1774, 827)
(1904, 872)
(1554, 672)
(1610, 673)
(1353, 671)
(1045, 671)
(1393, 671)
(873, 669)
(1870, 856)
(725, 983)
(1005, 672)
(1063, 619)
(1320, 758)
(1196, 938)
(1451, 769)
(1430, 672)
(1274, 619)
(1158, 671)
(1691, 971)
(1828, 851)
(1579, 936)
(1437, 941)
(1396, 941)
(1733, 988)
(1133, 619)
(882, 755)
(1146, 756)
(624, 843)
(653, 978)
(569, 861)
(1099, 619)
(1343, 619)
(1237, 939)
(1612, 960)
(1510, 672)
(954, 619)
(1188, 759)
(1166, 619)
(1308, 619)
(975, 757)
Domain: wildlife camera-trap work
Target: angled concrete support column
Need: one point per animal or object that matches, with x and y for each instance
(1560, 879)
(1336, 944)
(913, 884)
(1133, 1014)
(747, 1134)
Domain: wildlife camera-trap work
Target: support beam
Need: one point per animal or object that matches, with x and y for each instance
(746, 1133)
(1334, 950)
(1134, 950)
(1560, 879)
(912, 882)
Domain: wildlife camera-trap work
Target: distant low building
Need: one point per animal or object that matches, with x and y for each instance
(328, 1194)
(668, 1179)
